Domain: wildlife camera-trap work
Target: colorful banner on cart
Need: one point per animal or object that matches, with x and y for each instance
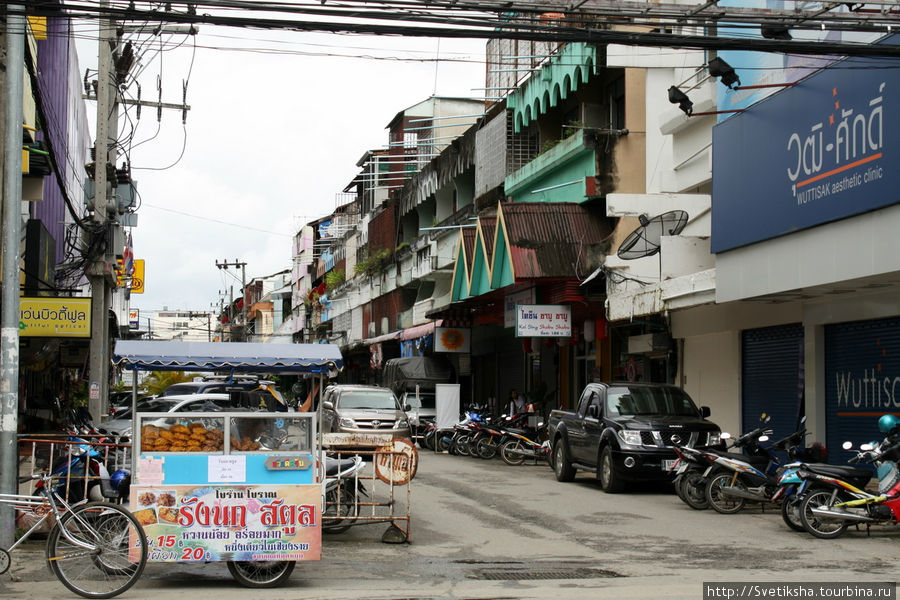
(189, 523)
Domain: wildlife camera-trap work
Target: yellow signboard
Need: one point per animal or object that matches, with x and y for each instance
(137, 278)
(55, 317)
(136, 284)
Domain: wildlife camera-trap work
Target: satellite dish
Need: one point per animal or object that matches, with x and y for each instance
(645, 240)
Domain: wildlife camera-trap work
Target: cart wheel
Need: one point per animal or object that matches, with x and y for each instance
(4, 561)
(262, 573)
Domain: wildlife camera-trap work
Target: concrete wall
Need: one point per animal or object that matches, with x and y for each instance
(710, 364)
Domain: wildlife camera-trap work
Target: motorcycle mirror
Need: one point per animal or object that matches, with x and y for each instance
(725, 436)
(867, 447)
(763, 438)
(847, 445)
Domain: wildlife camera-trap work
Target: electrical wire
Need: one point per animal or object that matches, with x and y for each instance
(519, 21)
(239, 225)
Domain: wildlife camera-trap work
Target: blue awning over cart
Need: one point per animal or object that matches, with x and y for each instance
(237, 356)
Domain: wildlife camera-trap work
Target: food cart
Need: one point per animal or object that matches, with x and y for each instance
(239, 486)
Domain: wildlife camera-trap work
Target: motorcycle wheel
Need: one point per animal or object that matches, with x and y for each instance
(428, 440)
(790, 512)
(693, 491)
(472, 447)
(486, 449)
(676, 483)
(462, 445)
(820, 527)
(719, 500)
(443, 442)
(512, 452)
(338, 515)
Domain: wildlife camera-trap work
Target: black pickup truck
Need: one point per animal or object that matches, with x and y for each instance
(625, 432)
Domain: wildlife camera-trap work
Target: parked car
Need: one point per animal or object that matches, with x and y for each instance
(211, 386)
(625, 432)
(122, 425)
(363, 409)
(120, 401)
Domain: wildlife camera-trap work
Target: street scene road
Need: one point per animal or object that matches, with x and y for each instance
(483, 529)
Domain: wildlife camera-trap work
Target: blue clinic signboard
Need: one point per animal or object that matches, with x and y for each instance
(822, 150)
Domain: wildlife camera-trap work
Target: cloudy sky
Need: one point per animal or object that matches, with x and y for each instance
(276, 126)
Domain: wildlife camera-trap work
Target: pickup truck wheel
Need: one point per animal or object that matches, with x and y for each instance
(562, 468)
(606, 473)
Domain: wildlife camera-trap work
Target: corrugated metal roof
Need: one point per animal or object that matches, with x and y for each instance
(206, 356)
(552, 239)
(468, 240)
(488, 226)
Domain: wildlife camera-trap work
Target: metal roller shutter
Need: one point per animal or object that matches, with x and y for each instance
(772, 377)
(862, 381)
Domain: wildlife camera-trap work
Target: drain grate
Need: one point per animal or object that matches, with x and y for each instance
(530, 575)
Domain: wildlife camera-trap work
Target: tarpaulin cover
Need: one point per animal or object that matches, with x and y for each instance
(406, 373)
(239, 356)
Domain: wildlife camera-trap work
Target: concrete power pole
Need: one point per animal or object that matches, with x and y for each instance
(100, 270)
(237, 263)
(11, 232)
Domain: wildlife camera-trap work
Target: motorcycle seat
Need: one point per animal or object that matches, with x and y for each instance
(333, 466)
(756, 461)
(850, 474)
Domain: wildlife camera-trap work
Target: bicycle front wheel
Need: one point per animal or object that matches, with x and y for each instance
(116, 555)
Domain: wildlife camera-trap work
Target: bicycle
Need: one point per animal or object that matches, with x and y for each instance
(95, 549)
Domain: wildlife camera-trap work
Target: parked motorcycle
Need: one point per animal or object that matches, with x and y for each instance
(694, 466)
(740, 481)
(792, 488)
(835, 503)
(521, 447)
(342, 492)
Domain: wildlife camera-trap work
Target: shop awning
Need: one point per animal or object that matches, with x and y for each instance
(239, 356)
(418, 331)
(387, 337)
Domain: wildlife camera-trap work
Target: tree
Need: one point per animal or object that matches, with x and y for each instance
(157, 381)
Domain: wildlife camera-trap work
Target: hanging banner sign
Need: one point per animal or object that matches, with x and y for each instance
(55, 317)
(510, 301)
(543, 320)
(189, 523)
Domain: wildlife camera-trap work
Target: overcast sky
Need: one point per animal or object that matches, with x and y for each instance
(273, 135)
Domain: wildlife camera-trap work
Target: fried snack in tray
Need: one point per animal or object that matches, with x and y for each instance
(179, 428)
(168, 515)
(146, 516)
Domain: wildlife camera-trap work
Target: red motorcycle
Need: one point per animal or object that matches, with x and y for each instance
(833, 503)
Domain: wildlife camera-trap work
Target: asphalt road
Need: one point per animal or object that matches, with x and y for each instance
(482, 529)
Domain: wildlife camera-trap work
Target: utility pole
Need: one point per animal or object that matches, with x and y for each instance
(11, 232)
(237, 263)
(113, 66)
(100, 270)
